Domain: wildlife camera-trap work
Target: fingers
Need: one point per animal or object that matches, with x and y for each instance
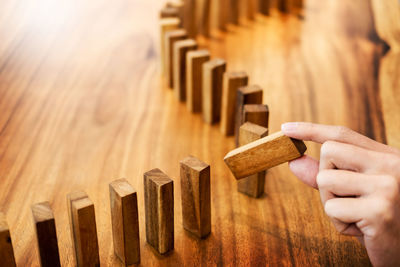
(306, 169)
(321, 133)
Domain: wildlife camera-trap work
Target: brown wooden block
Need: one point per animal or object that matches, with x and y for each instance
(194, 71)
(284, 6)
(195, 195)
(169, 12)
(46, 234)
(170, 38)
(204, 21)
(223, 14)
(83, 229)
(252, 94)
(189, 21)
(159, 209)
(252, 185)
(213, 72)
(256, 113)
(6, 248)
(263, 154)
(264, 6)
(167, 24)
(251, 9)
(181, 48)
(125, 221)
(232, 81)
(234, 11)
(179, 5)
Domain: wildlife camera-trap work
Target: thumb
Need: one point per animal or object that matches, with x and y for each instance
(306, 169)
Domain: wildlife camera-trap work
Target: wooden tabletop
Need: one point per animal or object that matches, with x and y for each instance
(82, 104)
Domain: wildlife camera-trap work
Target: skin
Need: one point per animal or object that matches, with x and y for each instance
(359, 183)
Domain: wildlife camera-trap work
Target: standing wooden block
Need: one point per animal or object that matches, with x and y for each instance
(204, 21)
(257, 114)
(179, 6)
(167, 24)
(223, 15)
(252, 94)
(125, 221)
(6, 248)
(170, 38)
(83, 229)
(189, 21)
(264, 6)
(46, 234)
(213, 72)
(234, 12)
(232, 81)
(284, 6)
(196, 197)
(251, 9)
(263, 154)
(252, 185)
(194, 72)
(159, 209)
(169, 12)
(181, 48)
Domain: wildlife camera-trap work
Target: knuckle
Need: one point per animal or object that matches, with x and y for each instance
(342, 132)
(384, 212)
(389, 187)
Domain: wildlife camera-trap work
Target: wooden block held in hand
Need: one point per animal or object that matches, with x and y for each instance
(83, 229)
(159, 209)
(232, 81)
(46, 234)
(213, 72)
(194, 72)
(166, 25)
(125, 221)
(181, 48)
(171, 37)
(263, 154)
(252, 185)
(6, 248)
(252, 94)
(195, 194)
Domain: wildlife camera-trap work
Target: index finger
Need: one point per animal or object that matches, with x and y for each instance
(320, 133)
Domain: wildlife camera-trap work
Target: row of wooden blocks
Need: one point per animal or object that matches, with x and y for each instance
(159, 218)
(196, 15)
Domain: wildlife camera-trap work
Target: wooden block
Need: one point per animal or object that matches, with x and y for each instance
(170, 38)
(213, 72)
(252, 94)
(251, 9)
(166, 25)
(125, 221)
(194, 72)
(232, 81)
(257, 114)
(263, 154)
(283, 6)
(6, 248)
(159, 209)
(189, 21)
(264, 6)
(195, 195)
(223, 15)
(181, 48)
(234, 11)
(83, 229)
(252, 185)
(169, 12)
(179, 5)
(204, 21)
(46, 234)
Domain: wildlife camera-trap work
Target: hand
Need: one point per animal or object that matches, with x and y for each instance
(359, 183)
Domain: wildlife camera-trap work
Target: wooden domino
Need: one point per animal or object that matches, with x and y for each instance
(169, 12)
(232, 81)
(159, 210)
(251, 9)
(213, 72)
(283, 6)
(170, 38)
(83, 229)
(181, 48)
(179, 5)
(264, 6)
(46, 234)
(125, 221)
(263, 154)
(234, 11)
(204, 21)
(189, 13)
(195, 196)
(252, 185)
(252, 94)
(6, 248)
(257, 114)
(222, 14)
(194, 70)
(167, 24)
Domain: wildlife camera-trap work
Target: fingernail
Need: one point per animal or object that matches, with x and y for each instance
(289, 126)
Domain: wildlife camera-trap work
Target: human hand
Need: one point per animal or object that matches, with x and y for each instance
(359, 183)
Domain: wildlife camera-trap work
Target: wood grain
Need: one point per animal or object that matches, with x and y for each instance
(213, 72)
(46, 234)
(6, 247)
(195, 196)
(253, 185)
(171, 37)
(83, 229)
(194, 82)
(125, 221)
(263, 154)
(232, 81)
(159, 208)
(181, 48)
(167, 24)
(252, 94)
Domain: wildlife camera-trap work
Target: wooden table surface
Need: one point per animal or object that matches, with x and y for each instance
(82, 104)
